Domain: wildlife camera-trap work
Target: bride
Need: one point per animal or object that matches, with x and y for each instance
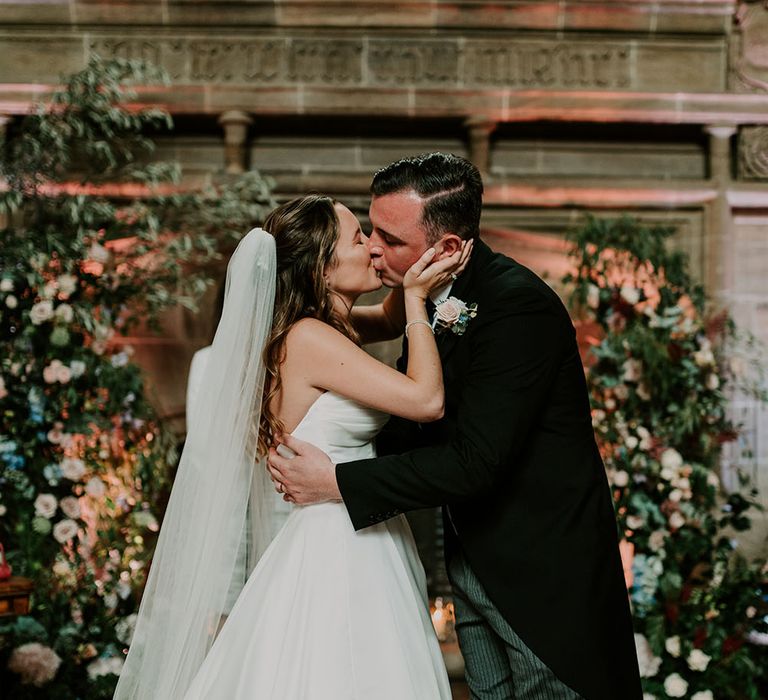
(323, 612)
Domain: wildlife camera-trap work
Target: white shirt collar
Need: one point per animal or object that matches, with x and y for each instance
(440, 295)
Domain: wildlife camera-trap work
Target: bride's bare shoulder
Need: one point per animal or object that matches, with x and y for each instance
(310, 335)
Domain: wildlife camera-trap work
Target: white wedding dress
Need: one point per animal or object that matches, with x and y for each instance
(329, 613)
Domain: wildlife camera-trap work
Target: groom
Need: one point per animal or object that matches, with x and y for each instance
(531, 542)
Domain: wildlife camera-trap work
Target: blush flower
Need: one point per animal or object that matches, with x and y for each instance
(95, 487)
(675, 686)
(36, 663)
(45, 505)
(698, 660)
(73, 468)
(64, 530)
(454, 315)
(70, 506)
(41, 312)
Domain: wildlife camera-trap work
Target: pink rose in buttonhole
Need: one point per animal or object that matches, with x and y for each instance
(448, 311)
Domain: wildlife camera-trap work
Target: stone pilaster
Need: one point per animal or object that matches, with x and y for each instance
(479, 130)
(720, 262)
(235, 124)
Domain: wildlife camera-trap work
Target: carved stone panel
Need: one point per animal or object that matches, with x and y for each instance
(753, 153)
(750, 48)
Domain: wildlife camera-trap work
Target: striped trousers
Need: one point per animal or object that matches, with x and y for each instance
(498, 665)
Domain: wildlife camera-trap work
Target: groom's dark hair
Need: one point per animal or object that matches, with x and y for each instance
(450, 186)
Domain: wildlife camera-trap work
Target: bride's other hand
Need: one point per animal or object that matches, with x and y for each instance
(425, 276)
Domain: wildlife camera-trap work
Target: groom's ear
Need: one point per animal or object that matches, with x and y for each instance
(449, 244)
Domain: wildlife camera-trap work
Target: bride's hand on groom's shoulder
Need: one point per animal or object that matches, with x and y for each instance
(304, 477)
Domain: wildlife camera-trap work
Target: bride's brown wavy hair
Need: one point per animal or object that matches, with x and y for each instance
(305, 230)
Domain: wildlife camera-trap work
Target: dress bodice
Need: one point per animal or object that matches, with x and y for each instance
(341, 427)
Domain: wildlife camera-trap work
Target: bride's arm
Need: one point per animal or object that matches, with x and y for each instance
(383, 321)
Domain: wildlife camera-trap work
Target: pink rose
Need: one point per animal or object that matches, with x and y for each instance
(449, 311)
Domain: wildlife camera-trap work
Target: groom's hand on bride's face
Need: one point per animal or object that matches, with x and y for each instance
(308, 477)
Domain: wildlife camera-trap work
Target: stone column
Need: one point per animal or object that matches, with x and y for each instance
(4, 121)
(235, 124)
(720, 262)
(480, 129)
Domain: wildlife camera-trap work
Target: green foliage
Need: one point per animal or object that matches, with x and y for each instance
(97, 240)
(660, 372)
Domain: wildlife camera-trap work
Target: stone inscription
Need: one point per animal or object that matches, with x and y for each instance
(459, 63)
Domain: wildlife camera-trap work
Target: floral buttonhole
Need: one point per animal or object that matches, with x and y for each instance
(453, 314)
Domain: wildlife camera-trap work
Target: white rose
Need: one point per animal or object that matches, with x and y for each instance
(51, 372)
(120, 359)
(648, 663)
(631, 442)
(98, 253)
(95, 487)
(449, 311)
(672, 645)
(676, 520)
(6, 285)
(712, 381)
(593, 296)
(675, 686)
(77, 367)
(3, 510)
(656, 540)
(633, 370)
(704, 357)
(41, 312)
(703, 695)
(125, 628)
(61, 568)
(667, 474)
(713, 479)
(634, 522)
(70, 506)
(620, 478)
(648, 696)
(67, 285)
(73, 468)
(104, 667)
(621, 391)
(45, 505)
(675, 495)
(630, 294)
(11, 301)
(698, 660)
(64, 313)
(683, 483)
(64, 530)
(671, 459)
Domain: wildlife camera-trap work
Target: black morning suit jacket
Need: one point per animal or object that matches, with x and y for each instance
(515, 460)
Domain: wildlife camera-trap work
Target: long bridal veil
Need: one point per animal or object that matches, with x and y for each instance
(222, 498)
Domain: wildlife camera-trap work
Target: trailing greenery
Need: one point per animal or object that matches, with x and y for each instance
(96, 239)
(660, 373)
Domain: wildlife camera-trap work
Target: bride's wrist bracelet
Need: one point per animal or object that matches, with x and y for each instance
(418, 320)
